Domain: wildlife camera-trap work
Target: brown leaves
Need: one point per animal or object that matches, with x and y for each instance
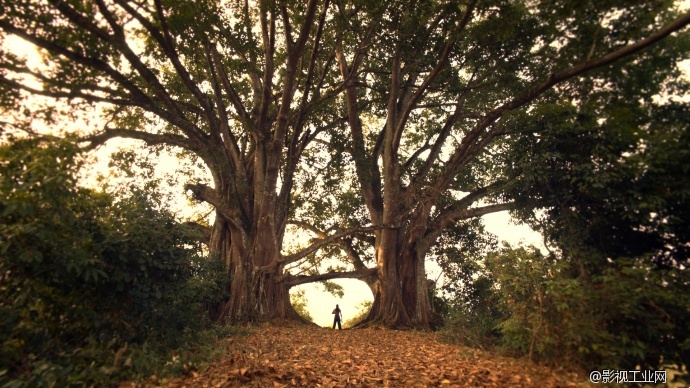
(309, 356)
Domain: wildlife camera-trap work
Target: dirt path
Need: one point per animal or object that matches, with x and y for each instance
(309, 356)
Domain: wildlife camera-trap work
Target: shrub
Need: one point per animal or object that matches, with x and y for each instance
(473, 320)
(631, 315)
(299, 303)
(363, 310)
(91, 287)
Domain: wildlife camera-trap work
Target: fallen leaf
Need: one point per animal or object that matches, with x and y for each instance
(301, 355)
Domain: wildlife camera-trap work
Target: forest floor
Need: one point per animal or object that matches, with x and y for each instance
(300, 355)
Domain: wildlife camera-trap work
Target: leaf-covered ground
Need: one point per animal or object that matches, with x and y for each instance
(300, 355)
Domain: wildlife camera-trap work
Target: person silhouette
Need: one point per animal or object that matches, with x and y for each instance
(337, 317)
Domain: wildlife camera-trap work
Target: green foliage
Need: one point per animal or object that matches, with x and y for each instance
(467, 302)
(545, 313)
(614, 181)
(91, 287)
(299, 303)
(538, 306)
(457, 252)
(631, 315)
(333, 288)
(363, 310)
(472, 319)
(646, 313)
(610, 177)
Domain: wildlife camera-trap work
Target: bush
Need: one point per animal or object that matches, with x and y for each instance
(646, 315)
(473, 321)
(632, 315)
(91, 287)
(363, 310)
(299, 303)
(546, 314)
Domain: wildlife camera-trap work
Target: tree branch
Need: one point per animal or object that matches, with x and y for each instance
(72, 94)
(240, 183)
(438, 144)
(444, 220)
(574, 71)
(150, 138)
(461, 151)
(204, 193)
(268, 38)
(365, 166)
(440, 63)
(92, 63)
(215, 60)
(294, 53)
(303, 279)
(167, 45)
(119, 42)
(346, 245)
(330, 239)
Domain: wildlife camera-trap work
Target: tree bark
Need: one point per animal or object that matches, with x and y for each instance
(402, 298)
(414, 292)
(388, 309)
(255, 294)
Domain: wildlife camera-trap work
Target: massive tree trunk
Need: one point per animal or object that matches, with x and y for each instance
(388, 308)
(255, 292)
(251, 205)
(414, 288)
(413, 271)
(402, 299)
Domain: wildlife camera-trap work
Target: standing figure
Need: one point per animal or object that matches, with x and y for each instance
(337, 318)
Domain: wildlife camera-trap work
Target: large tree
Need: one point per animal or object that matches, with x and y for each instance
(436, 93)
(422, 91)
(243, 86)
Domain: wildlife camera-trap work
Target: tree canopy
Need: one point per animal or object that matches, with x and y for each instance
(409, 115)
